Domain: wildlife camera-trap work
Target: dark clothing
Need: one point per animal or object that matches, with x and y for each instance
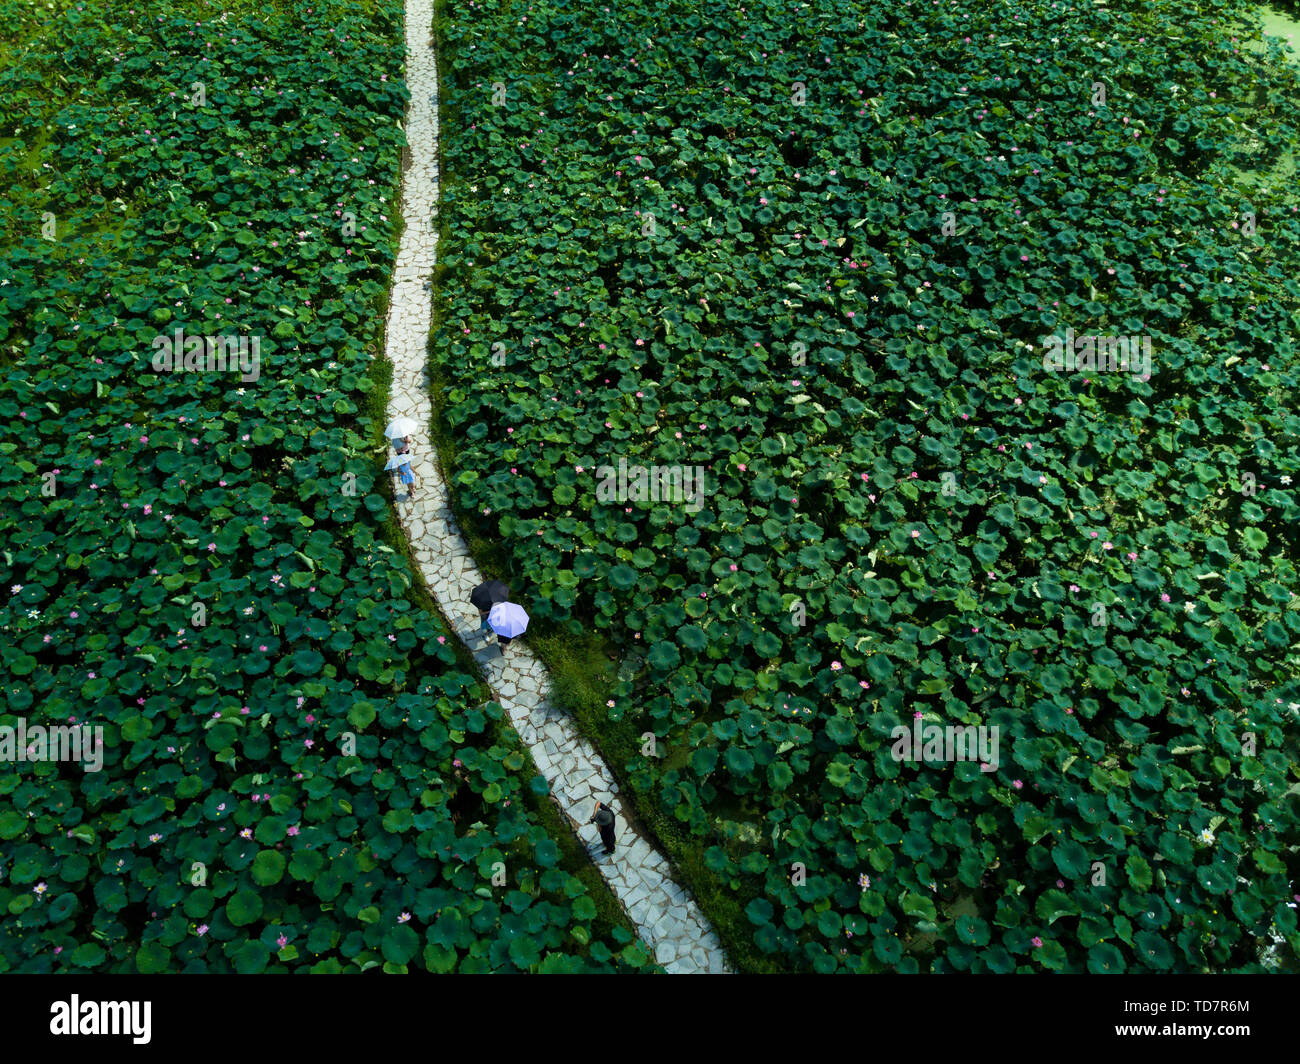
(605, 822)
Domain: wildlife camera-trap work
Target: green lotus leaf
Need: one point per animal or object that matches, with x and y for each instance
(243, 908)
(622, 577)
(268, 868)
(692, 637)
(152, 958)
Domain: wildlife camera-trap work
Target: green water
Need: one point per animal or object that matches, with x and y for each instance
(1283, 172)
(1276, 24)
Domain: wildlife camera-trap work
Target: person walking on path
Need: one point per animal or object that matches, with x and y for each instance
(603, 818)
(401, 465)
(508, 620)
(484, 597)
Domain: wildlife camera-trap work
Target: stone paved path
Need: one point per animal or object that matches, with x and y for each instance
(666, 916)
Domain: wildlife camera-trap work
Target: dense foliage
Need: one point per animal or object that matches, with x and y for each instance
(298, 775)
(1102, 567)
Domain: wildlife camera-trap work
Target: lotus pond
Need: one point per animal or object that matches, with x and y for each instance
(814, 252)
(298, 773)
(817, 252)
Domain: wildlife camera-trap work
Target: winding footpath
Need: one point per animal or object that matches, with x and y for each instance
(666, 916)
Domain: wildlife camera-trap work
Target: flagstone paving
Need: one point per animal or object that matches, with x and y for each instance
(666, 916)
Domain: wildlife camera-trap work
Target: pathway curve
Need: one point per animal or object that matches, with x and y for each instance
(666, 916)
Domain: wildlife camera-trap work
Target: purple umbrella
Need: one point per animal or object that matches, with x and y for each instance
(507, 619)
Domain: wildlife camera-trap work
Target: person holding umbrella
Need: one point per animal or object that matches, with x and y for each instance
(400, 429)
(487, 595)
(508, 620)
(399, 432)
(401, 465)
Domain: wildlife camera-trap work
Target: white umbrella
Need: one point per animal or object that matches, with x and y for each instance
(397, 461)
(508, 619)
(401, 426)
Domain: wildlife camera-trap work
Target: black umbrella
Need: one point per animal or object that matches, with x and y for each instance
(489, 593)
